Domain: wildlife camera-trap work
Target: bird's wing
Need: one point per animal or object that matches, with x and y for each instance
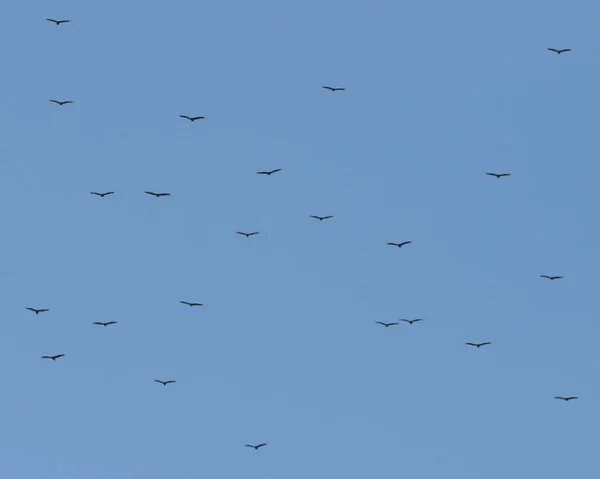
(544, 276)
(566, 50)
(240, 233)
(43, 310)
(30, 309)
(59, 356)
(553, 50)
(51, 20)
(112, 322)
(149, 192)
(572, 397)
(405, 242)
(184, 302)
(261, 445)
(249, 445)
(275, 171)
(46, 357)
(313, 216)
(560, 397)
(96, 322)
(483, 344)
(393, 244)
(392, 324)
(328, 88)
(185, 116)
(158, 381)
(262, 173)
(379, 322)
(169, 382)
(471, 344)
(340, 89)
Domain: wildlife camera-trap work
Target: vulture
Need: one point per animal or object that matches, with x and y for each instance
(498, 175)
(192, 118)
(105, 324)
(385, 324)
(158, 195)
(559, 51)
(321, 218)
(400, 245)
(478, 345)
(37, 311)
(54, 358)
(61, 103)
(102, 195)
(191, 304)
(58, 22)
(410, 321)
(164, 383)
(268, 173)
(551, 278)
(247, 235)
(565, 399)
(333, 89)
(257, 446)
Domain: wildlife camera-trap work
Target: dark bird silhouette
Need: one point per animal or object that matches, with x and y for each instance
(191, 304)
(498, 175)
(37, 311)
(268, 173)
(58, 22)
(158, 195)
(551, 278)
(61, 103)
(478, 345)
(54, 358)
(333, 89)
(321, 218)
(257, 446)
(410, 321)
(559, 51)
(106, 324)
(566, 399)
(102, 195)
(192, 118)
(387, 325)
(164, 383)
(247, 235)
(400, 245)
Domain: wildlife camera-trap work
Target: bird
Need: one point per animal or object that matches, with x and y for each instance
(410, 321)
(61, 103)
(333, 89)
(105, 324)
(478, 345)
(268, 173)
(551, 278)
(191, 304)
(400, 245)
(566, 399)
(498, 175)
(559, 51)
(58, 22)
(158, 195)
(37, 311)
(192, 118)
(164, 383)
(247, 235)
(102, 195)
(54, 358)
(257, 446)
(321, 218)
(385, 324)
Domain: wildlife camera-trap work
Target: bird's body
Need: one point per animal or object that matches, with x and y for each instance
(58, 22)
(498, 175)
(321, 218)
(247, 235)
(37, 311)
(551, 278)
(105, 324)
(191, 304)
(411, 321)
(192, 118)
(478, 345)
(257, 446)
(387, 325)
(164, 383)
(61, 103)
(333, 89)
(268, 173)
(400, 245)
(102, 195)
(158, 195)
(54, 358)
(559, 51)
(566, 398)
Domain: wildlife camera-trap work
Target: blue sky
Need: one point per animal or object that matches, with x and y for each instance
(285, 349)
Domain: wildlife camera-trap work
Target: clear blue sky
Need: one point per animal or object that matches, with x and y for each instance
(285, 349)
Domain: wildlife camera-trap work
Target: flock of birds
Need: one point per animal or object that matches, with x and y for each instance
(249, 234)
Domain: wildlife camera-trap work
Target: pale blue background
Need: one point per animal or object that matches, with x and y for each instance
(285, 350)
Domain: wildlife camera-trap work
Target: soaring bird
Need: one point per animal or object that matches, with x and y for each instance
(106, 324)
(191, 304)
(400, 245)
(387, 325)
(410, 321)
(61, 103)
(321, 218)
(268, 173)
(37, 311)
(58, 22)
(164, 383)
(102, 195)
(478, 345)
(565, 399)
(559, 51)
(333, 89)
(158, 195)
(498, 175)
(192, 118)
(247, 235)
(257, 446)
(54, 358)
(551, 278)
